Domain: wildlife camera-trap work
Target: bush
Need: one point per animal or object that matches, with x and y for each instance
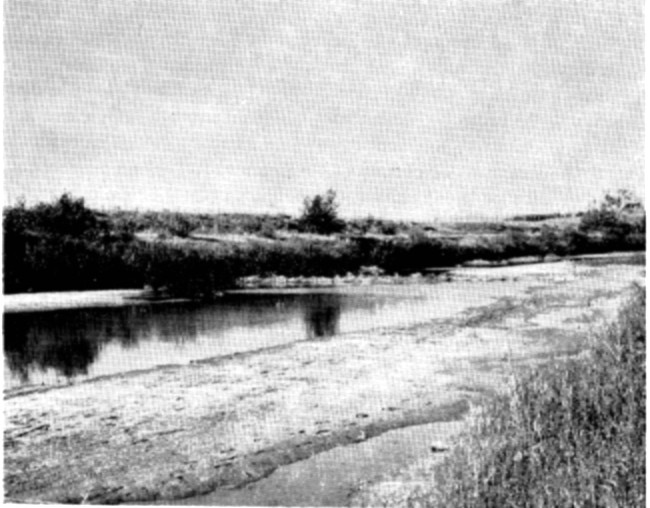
(619, 215)
(63, 246)
(320, 215)
(179, 225)
(185, 271)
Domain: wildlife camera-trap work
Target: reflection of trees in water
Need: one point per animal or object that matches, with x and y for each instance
(32, 343)
(70, 341)
(322, 315)
(17, 347)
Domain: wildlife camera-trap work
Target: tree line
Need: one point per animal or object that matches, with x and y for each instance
(65, 245)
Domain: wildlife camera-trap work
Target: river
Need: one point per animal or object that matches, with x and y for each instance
(368, 385)
(67, 346)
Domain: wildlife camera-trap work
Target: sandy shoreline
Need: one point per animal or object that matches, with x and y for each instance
(182, 431)
(31, 302)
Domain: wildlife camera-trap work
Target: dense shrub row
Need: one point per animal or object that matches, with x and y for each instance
(67, 246)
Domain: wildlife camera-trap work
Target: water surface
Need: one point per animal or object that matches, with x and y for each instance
(58, 347)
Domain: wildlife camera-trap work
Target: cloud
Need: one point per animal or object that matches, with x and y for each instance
(253, 105)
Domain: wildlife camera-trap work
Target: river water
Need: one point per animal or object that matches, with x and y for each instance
(66, 346)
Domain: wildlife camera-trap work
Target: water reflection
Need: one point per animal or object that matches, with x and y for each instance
(55, 347)
(59, 341)
(323, 315)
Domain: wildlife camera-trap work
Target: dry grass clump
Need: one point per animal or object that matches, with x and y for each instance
(571, 433)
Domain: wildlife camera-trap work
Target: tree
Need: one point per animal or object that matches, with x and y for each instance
(180, 226)
(320, 214)
(63, 245)
(615, 217)
(68, 216)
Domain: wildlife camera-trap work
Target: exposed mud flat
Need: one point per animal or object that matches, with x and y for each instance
(182, 431)
(334, 477)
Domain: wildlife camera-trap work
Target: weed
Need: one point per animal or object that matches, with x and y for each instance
(572, 433)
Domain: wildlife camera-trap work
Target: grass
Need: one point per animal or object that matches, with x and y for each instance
(569, 434)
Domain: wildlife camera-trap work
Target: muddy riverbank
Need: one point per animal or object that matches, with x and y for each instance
(213, 426)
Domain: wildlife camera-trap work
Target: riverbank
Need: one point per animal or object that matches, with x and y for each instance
(568, 433)
(226, 423)
(66, 246)
(33, 302)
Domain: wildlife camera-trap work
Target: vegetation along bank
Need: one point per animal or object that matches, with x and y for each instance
(64, 245)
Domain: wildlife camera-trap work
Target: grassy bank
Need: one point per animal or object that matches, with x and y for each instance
(66, 246)
(569, 434)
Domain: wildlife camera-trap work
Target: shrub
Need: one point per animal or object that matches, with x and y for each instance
(619, 215)
(63, 245)
(267, 230)
(320, 215)
(179, 225)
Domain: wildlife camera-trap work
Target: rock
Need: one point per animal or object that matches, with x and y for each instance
(359, 436)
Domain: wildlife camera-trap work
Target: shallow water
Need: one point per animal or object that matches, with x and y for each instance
(59, 347)
(331, 478)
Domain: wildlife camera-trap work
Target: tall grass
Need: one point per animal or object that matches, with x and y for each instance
(570, 434)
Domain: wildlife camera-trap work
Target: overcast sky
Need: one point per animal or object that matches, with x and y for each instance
(407, 109)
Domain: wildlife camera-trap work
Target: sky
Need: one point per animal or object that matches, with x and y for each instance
(417, 110)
